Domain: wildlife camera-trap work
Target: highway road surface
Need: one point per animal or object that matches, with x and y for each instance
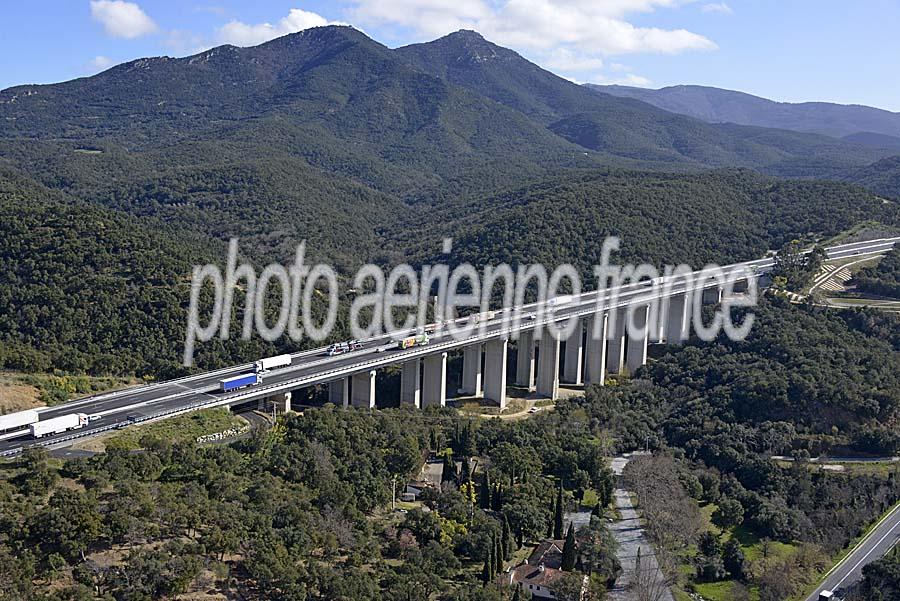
(849, 571)
(120, 408)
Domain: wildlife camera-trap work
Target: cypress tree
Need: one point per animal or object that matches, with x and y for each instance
(466, 473)
(569, 554)
(497, 499)
(519, 539)
(484, 499)
(550, 521)
(433, 442)
(506, 539)
(498, 553)
(558, 514)
(486, 570)
(516, 596)
(449, 472)
(493, 558)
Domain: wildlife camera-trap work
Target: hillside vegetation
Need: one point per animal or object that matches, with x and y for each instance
(370, 155)
(100, 290)
(867, 124)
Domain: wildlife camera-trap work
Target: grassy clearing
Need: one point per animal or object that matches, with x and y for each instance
(182, 428)
(474, 407)
(864, 230)
(716, 591)
(54, 389)
(16, 395)
(754, 548)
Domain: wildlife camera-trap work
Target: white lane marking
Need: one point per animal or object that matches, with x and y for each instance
(850, 554)
(872, 550)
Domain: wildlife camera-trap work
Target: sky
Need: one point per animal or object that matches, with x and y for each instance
(786, 50)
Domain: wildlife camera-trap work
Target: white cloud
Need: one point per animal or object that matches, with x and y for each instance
(182, 42)
(717, 7)
(571, 37)
(429, 18)
(586, 26)
(619, 67)
(101, 63)
(629, 79)
(122, 19)
(565, 60)
(244, 34)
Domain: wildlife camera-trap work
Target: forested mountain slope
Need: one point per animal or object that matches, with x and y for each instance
(620, 126)
(401, 121)
(91, 289)
(722, 216)
(101, 290)
(882, 177)
(368, 154)
(717, 106)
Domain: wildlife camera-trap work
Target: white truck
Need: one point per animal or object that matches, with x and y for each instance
(486, 316)
(55, 425)
(558, 301)
(18, 419)
(272, 362)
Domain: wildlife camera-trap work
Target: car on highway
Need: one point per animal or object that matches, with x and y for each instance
(340, 348)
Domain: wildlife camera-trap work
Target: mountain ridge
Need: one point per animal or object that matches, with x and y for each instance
(719, 105)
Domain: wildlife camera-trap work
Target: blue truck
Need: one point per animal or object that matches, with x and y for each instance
(235, 382)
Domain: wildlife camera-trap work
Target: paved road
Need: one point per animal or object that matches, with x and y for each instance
(115, 409)
(849, 571)
(629, 534)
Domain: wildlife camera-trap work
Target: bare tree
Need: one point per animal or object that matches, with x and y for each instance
(649, 580)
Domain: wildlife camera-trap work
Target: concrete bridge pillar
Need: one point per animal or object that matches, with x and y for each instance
(638, 335)
(411, 383)
(471, 375)
(678, 322)
(712, 296)
(525, 360)
(656, 320)
(548, 369)
(283, 402)
(572, 365)
(434, 389)
(280, 402)
(615, 333)
(362, 389)
(339, 392)
(495, 371)
(595, 370)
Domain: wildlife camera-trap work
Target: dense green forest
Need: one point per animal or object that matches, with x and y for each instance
(807, 381)
(721, 216)
(370, 155)
(113, 187)
(882, 279)
(103, 288)
(87, 289)
(882, 177)
(302, 511)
